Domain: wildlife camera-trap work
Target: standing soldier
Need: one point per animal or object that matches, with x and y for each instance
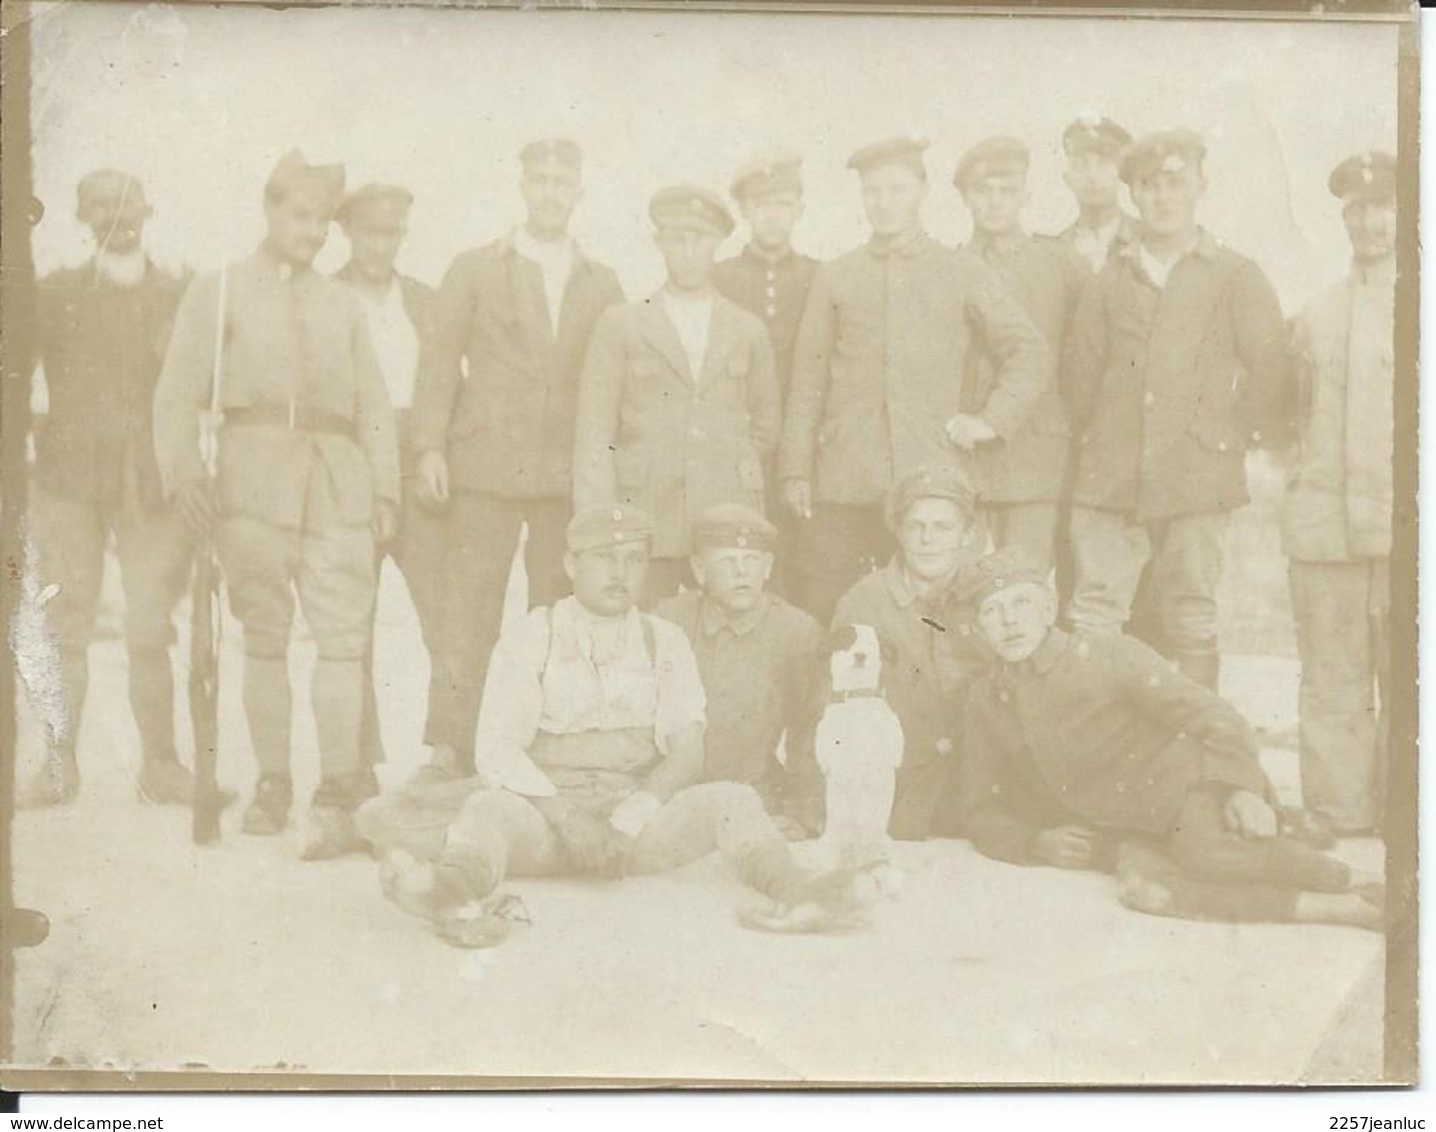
(678, 404)
(878, 387)
(308, 483)
(1093, 146)
(493, 428)
(1337, 516)
(397, 310)
(102, 333)
(1024, 478)
(1174, 365)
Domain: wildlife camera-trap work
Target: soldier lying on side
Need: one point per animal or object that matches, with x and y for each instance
(589, 737)
(1078, 744)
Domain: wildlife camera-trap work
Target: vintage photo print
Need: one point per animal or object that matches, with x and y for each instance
(639, 546)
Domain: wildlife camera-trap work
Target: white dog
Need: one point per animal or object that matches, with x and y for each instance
(858, 746)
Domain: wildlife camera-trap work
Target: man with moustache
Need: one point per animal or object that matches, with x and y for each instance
(678, 403)
(308, 484)
(102, 330)
(493, 426)
(1174, 369)
(1093, 147)
(397, 311)
(1337, 514)
(878, 385)
(757, 656)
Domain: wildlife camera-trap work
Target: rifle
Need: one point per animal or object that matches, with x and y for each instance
(205, 625)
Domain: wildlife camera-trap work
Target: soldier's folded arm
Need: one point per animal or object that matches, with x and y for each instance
(680, 717)
(441, 354)
(183, 390)
(1023, 360)
(808, 390)
(511, 708)
(600, 398)
(1262, 345)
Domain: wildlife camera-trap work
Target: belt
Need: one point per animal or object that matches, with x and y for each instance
(299, 418)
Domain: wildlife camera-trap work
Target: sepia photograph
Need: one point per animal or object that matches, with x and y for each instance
(612, 546)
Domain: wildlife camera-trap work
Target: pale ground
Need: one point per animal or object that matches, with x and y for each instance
(238, 956)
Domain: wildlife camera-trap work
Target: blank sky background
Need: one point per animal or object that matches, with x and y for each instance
(199, 102)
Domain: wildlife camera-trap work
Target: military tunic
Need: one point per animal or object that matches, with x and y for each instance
(1095, 245)
(774, 290)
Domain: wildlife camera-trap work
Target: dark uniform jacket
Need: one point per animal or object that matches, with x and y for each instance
(418, 301)
(776, 292)
(653, 435)
(1097, 731)
(878, 368)
(757, 672)
(938, 651)
(1169, 387)
(497, 389)
(1046, 277)
(102, 346)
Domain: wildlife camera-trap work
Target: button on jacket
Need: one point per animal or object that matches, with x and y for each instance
(1339, 497)
(654, 435)
(1046, 277)
(774, 290)
(291, 338)
(102, 346)
(879, 366)
(1170, 386)
(1099, 731)
(497, 386)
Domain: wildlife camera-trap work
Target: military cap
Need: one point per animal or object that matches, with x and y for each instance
(552, 151)
(941, 481)
(292, 173)
(1167, 151)
(376, 206)
(906, 149)
(995, 156)
(108, 183)
(1000, 570)
(691, 207)
(1369, 175)
(597, 527)
(734, 524)
(1092, 133)
(771, 173)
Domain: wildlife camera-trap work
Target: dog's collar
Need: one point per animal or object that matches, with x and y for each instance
(854, 694)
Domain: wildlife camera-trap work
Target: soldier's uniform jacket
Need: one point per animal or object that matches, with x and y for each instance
(1047, 278)
(776, 292)
(653, 435)
(1097, 731)
(1092, 247)
(497, 387)
(757, 670)
(1168, 387)
(878, 368)
(938, 651)
(1339, 496)
(418, 299)
(293, 340)
(102, 346)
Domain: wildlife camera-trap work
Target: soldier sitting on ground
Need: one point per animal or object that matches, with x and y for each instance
(1092, 752)
(589, 738)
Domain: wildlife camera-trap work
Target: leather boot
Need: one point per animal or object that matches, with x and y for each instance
(268, 811)
(165, 781)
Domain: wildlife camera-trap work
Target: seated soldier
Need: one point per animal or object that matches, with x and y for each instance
(1085, 752)
(756, 655)
(589, 737)
(912, 604)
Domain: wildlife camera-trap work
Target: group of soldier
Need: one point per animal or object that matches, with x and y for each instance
(996, 456)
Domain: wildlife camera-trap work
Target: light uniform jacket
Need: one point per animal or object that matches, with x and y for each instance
(653, 435)
(1169, 387)
(1339, 499)
(1046, 277)
(497, 387)
(879, 367)
(290, 338)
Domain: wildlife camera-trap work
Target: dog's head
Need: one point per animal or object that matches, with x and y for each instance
(857, 656)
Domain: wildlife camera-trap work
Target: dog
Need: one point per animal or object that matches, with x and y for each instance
(858, 746)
